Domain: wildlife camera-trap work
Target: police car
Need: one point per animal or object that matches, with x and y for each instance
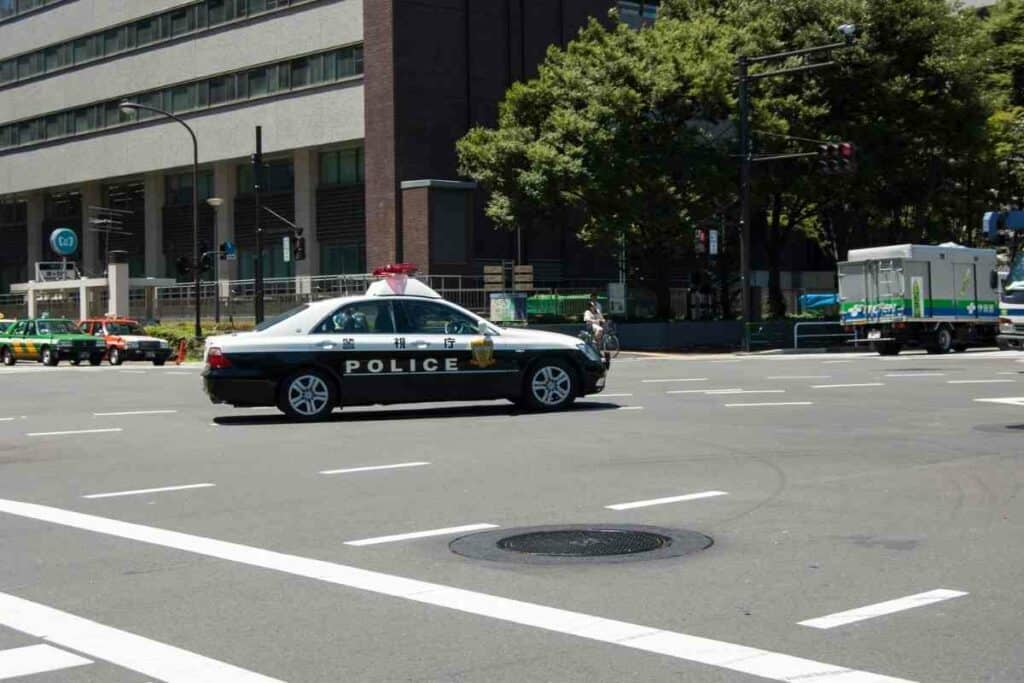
(401, 342)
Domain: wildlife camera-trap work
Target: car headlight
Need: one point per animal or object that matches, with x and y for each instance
(1005, 325)
(590, 352)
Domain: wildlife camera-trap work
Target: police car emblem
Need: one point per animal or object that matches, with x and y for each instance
(483, 352)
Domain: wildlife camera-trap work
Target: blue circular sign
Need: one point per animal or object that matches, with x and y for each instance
(64, 241)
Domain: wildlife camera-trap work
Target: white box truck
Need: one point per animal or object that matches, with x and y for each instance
(940, 298)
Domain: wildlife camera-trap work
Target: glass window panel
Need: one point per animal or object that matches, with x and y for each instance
(357, 58)
(222, 89)
(328, 168)
(181, 21)
(346, 63)
(183, 98)
(331, 66)
(84, 49)
(348, 167)
(113, 41)
(258, 82)
(300, 72)
(316, 69)
(146, 31)
(30, 65)
(217, 11)
(83, 120)
(54, 126)
(8, 70)
(56, 57)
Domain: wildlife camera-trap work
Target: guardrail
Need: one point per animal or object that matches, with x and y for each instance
(837, 332)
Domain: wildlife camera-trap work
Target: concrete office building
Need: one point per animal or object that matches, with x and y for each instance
(361, 102)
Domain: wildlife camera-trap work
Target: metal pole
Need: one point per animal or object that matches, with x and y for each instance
(257, 177)
(195, 232)
(744, 105)
(216, 267)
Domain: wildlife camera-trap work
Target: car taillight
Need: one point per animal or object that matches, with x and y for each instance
(216, 359)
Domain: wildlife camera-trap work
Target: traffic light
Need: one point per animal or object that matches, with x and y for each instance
(300, 249)
(206, 262)
(183, 266)
(837, 158)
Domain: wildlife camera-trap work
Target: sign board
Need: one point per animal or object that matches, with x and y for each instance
(55, 271)
(713, 242)
(508, 307)
(64, 241)
(286, 248)
(616, 298)
(230, 251)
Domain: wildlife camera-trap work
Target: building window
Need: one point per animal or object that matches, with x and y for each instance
(181, 21)
(147, 31)
(342, 259)
(343, 167)
(178, 188)
(278, 177)
(262, 81)
(638, 13)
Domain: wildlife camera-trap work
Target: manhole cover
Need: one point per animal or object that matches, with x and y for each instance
(580, 544)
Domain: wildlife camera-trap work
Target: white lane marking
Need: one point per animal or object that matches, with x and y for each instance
(847, 386)
(6, 419)
(882, 608)
(725, 655)
(1007, 373)
(422, 534)
(610, 396)
(659, 381)
(980, 381)
(699, 391)
(768, 405)
(373, 468)
(1010, 401)
(662, 501)
(137, 412)
(181, 374)
(139, 492)
(727, 361)
(631, 408)
(916, 374)
(77, 431)
(719, 392)
(36, 659)
(835, 362)
(148, 657)
(133, 372)
(800, 377)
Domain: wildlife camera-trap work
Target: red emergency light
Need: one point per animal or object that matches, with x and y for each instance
(396, 269)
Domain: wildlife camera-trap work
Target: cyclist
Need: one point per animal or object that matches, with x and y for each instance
(594, 320)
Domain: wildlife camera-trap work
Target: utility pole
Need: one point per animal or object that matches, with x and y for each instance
(257, 180)
(745, 162)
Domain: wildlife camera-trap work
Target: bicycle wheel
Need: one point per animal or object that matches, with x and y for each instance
(611, 345)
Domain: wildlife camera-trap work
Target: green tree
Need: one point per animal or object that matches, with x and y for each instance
(1004, 77)
(623, 129)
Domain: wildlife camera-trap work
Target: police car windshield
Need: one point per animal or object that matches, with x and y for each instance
(124, 328)
(56, 327)
(270, 322)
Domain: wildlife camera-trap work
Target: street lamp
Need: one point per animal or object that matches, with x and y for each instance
(133, 107)
(215, 203)
(849, 33)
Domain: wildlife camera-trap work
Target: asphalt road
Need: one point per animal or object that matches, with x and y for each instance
(829, 484)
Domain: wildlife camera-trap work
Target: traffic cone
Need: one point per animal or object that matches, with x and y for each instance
(182, 352)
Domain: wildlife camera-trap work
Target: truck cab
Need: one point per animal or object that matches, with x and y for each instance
(1011, 307)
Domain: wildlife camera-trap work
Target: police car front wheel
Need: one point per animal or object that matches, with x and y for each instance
(307, 395)
(550, 385)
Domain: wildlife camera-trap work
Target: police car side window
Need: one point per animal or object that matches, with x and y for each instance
(366, 317)
(427, 317)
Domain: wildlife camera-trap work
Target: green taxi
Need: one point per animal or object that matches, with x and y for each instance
(49, 341)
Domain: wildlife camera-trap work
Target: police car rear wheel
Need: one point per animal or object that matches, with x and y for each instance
(550, 385)
(8, 356)
(307, 395)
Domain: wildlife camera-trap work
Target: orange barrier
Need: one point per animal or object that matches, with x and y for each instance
(182, 352)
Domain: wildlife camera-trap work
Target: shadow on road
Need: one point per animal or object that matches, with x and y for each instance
(354, 415)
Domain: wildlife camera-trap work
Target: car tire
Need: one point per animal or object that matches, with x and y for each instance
(942, 341)
(95, 360)
(76, 362)
(307, 395)
(48, 357)
(115, 357)
(550, 384)
(8, 356)
(159, 361)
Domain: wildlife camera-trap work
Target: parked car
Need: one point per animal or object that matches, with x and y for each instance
(126, 340)
(49, 341)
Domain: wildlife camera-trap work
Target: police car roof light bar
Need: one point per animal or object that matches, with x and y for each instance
(395, 269)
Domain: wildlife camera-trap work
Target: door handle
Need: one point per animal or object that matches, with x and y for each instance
(327, 345)
(420, 343)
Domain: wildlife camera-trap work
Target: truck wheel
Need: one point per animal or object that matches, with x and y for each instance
(889, 348)
(115, 356)
(8, 356)
(50, 358)
(942, 341)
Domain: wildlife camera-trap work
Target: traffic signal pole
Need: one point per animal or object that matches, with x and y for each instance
(257, 179)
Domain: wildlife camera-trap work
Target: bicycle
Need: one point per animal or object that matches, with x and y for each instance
(609, 342)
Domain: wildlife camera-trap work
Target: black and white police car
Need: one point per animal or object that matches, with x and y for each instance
(400, 342)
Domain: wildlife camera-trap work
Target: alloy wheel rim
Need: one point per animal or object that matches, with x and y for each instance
(308, 395)
(551, 385)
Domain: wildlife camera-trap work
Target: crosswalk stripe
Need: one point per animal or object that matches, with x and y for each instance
(36, 659)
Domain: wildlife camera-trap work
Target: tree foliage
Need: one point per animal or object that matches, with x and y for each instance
(634, 131)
